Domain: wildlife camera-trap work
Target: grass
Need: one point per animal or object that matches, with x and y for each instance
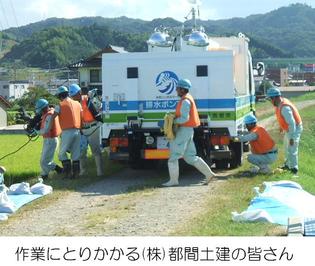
(236, 193)
(23, 164)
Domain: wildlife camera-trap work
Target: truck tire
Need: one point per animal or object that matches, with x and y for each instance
(237, 154)
(222, 164)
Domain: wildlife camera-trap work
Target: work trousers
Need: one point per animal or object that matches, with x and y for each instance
(262, 160)
(92, 136)
(183, 146)
(291, 152)
(47, 157)
(70, 142)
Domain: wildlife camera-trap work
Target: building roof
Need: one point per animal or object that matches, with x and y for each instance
(19, 82)
(95, 60)
(4, 102)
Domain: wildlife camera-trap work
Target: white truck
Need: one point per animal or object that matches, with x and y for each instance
(139, 88)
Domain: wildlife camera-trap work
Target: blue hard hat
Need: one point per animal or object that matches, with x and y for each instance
(250, 119)
(40, 105)
(273, 92)
(61, 90)
(184, 83)
(74, 89)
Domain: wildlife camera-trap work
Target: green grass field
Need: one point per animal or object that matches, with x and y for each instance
(24, 165)
(236, 193)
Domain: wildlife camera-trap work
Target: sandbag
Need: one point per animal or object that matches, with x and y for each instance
(6, 205)
(41, 189)
(19, 188)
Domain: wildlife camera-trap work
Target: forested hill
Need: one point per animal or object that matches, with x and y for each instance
(285, 32)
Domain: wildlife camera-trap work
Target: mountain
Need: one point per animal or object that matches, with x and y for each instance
(285, 32)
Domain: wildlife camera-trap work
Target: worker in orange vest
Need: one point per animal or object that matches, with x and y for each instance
(91, 122)
(183, 146)
(70, 117)
(290, 123)
(263, 148)
(50, 130)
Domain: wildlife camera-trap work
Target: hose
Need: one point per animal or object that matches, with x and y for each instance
(30, 138)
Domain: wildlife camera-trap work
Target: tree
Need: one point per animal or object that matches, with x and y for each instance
(29, 99)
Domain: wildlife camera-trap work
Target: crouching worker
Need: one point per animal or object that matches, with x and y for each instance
(91, 119)
(183, 145)
(50, 130)
(264, 151)
(69, 112)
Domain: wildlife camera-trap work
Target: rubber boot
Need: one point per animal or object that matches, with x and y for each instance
(75, 169)
(173, 169)
(58, 169)
(66, 168)
(83, 163)
(203, 168)
(265, 169)
(99, 165)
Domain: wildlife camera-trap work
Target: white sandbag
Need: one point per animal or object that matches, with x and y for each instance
(6, 205)
(252, 216)
(19, 188)
(41, 189)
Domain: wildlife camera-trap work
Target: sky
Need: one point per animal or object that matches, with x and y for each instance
(15, 13)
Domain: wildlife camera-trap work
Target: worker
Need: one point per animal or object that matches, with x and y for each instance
(50, 130)
(183, 146)
(70, 116)
(263, 148)
(91, 119)
(290, 123)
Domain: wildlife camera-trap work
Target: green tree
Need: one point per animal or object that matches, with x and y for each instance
(29, 99)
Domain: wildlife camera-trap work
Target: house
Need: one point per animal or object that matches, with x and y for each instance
(54, 84)
(4, 104)
(12, 90)
(90, 69)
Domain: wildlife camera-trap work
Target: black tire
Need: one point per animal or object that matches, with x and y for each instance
(221, 164)
(237, 154)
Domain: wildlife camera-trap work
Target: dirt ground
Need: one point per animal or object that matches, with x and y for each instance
(108, 208)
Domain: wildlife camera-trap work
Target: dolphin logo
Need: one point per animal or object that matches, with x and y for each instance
(166, 82)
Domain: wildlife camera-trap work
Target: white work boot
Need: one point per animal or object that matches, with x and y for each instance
(203, 168)
(99, 165)
(83, 163)
(173, 169)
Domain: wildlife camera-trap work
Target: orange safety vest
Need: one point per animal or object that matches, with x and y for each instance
(283, 124)
(55, 129)
(194, 120)
(264, 143)
(87, 116)
(70, 114)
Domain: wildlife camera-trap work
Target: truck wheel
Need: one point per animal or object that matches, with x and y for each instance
(237, 155)
(221, 164)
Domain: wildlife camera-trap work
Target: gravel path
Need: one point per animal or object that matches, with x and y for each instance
(106, 209)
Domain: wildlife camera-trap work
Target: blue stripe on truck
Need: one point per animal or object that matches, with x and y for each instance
(171, 104)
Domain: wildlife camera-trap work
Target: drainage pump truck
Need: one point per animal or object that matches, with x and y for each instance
(139, 88)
